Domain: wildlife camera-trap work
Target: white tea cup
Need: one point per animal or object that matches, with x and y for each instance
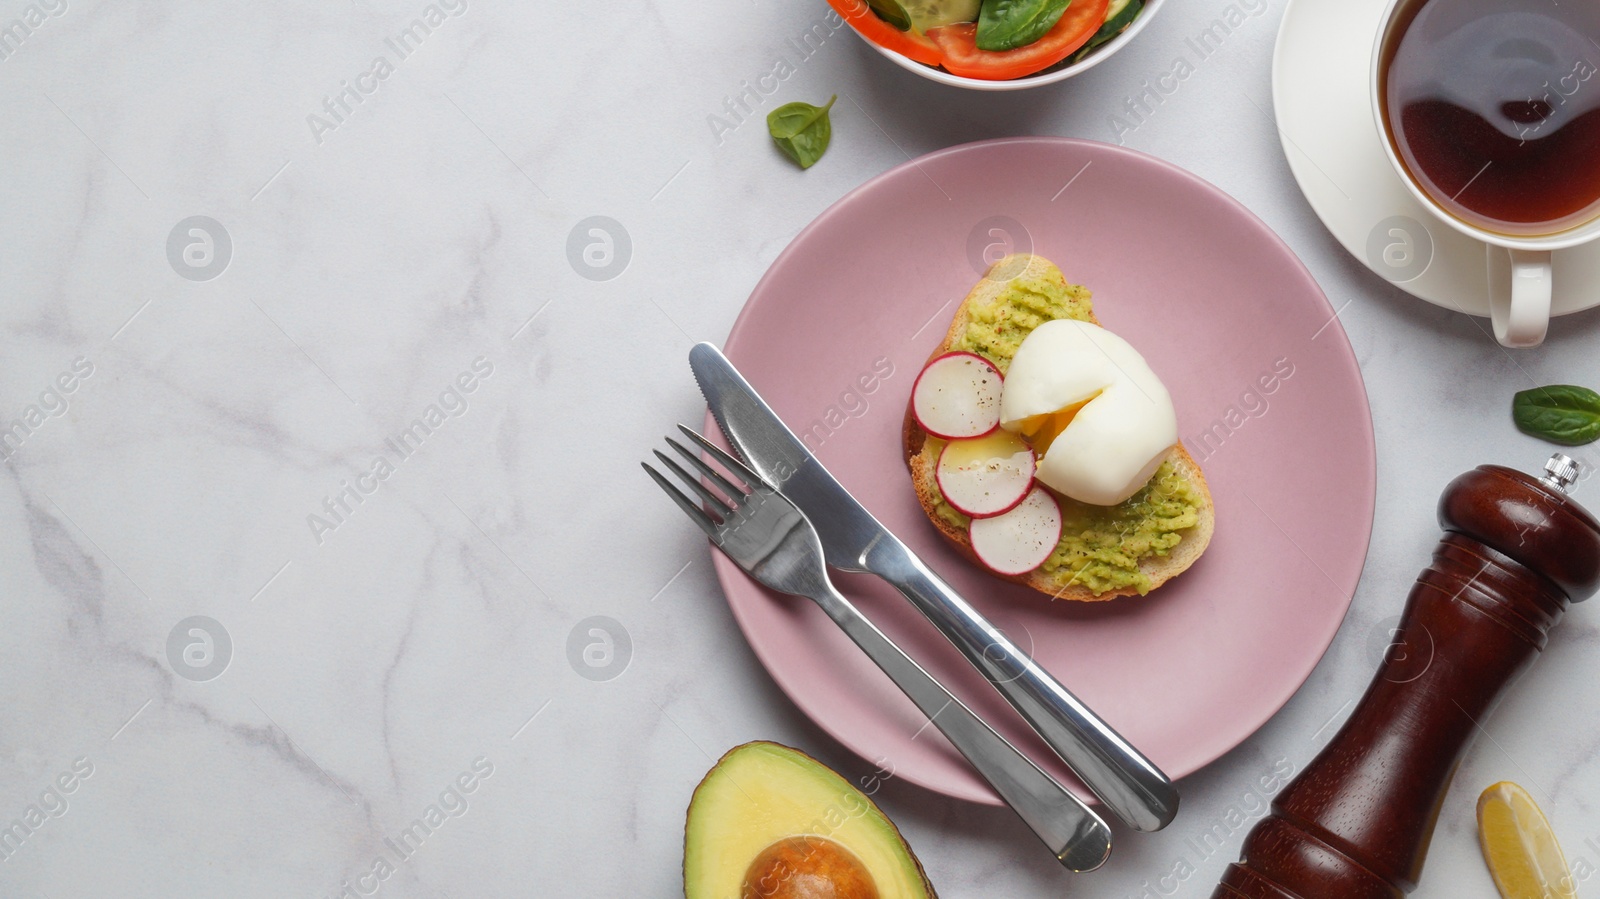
(1519, 268)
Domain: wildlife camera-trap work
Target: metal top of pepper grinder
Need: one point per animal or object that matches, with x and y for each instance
(1561, 472)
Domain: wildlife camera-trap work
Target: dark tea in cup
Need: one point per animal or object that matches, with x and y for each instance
(1493, 108)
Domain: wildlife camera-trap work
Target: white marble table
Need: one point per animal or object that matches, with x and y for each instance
(405, 653)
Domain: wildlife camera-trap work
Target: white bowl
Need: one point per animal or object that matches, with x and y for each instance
(1048, 77)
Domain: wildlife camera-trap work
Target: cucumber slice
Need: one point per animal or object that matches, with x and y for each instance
(927, 14)
(1118, 17)
(892, 12)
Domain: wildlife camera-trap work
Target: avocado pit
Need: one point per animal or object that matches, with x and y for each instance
(807, 867)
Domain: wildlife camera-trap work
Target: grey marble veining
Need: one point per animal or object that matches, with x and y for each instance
(398, 204)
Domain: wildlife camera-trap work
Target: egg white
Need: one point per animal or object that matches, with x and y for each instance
(1115, 443)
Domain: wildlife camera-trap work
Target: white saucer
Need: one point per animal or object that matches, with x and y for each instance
(1320, 94)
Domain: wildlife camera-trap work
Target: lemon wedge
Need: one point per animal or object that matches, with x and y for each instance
(1520, 848)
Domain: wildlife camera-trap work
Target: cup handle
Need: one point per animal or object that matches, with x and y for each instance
(1520, 284)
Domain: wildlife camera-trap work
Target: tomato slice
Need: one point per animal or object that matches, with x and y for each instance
(961, 55)
(909, 44)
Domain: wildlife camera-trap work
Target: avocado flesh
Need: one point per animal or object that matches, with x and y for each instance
(761, 794)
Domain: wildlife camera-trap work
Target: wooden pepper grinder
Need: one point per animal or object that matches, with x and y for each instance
(1357, 821)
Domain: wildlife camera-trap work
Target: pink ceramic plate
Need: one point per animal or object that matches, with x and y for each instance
(835, 333)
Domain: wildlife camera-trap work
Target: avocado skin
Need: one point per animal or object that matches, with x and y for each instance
(923, 888)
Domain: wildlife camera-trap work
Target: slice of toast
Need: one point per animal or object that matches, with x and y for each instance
(922, 450)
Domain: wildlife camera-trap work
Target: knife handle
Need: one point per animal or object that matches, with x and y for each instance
(1131, 787)
(1075, 834)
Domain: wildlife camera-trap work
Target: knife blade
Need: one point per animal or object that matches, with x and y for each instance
(1130, 785)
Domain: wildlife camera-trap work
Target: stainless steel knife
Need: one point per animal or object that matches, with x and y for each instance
(1131, 787)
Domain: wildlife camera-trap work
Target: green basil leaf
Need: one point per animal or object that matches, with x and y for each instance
(1560, 413)
(802, 131)
(1009, 24)
(892, 12)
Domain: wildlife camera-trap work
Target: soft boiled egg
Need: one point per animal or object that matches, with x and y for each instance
(1099, 418)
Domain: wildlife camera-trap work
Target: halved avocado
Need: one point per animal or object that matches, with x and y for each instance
(770, 822)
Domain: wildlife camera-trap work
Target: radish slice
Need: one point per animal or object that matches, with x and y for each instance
(1020, 540)
(957, 395)
(985, 476)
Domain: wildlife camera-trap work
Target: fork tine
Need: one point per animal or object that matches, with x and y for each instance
(727, 486)
(727, 461)
(717, 503)
(685, 503)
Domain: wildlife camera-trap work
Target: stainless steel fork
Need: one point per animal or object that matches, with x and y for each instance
(770, 538)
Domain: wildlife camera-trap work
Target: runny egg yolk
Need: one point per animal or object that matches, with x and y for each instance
(1041, 430)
